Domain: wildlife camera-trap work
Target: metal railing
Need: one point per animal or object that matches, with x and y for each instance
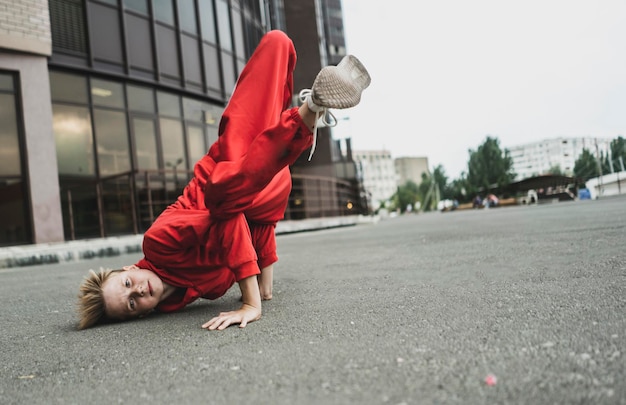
(128, 203)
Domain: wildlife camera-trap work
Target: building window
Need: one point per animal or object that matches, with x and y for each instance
(207, 21)
(74, 141)
(68, 27)
(14, 217)
(187, 16)
(164, 11)
(112, 142)
(196, 141)
(169, 104)
(140, 42)
(139, 6)
(173, 144)
(106, 93)
(168, 53)
(140, 99)
(145, 143)
(68, 88)
(106, 36)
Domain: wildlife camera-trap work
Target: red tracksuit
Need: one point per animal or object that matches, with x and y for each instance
(221, 229)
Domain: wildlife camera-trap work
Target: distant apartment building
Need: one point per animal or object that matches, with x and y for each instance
(411, 169)
(378, 172)
(537, 158)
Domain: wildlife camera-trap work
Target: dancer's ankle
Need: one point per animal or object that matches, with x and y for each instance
(308, 116)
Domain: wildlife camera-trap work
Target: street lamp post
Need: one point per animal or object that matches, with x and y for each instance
(174, 167)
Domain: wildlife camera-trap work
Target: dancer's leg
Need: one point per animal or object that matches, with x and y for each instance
(233, 186)
(263, 91)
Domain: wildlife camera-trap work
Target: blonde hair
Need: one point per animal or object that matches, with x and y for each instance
(91, 306)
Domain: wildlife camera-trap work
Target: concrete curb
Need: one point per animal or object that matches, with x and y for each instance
(49, 253)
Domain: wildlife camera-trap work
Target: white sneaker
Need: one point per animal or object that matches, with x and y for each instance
(340, 86)
(336, 87)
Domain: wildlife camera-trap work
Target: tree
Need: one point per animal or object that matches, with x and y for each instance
(586, 166)
(441, 181)
(555, 170)
(458, 189)
(489, 167)
(617, 156)
(407, 194)
(427, 193)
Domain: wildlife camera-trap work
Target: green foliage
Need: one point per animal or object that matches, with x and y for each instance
(407, 194)
(556, 170)
(457, 190)
(617, 158)
(489, 167)
(426, 192)
(586, 166)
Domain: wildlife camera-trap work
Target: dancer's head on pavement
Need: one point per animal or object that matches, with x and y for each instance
(134, 292)
(122, 294)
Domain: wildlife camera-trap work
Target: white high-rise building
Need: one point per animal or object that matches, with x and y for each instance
(378, 174)
(537, 158)
(411, 168)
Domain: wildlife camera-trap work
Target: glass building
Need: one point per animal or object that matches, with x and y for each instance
(107, 105)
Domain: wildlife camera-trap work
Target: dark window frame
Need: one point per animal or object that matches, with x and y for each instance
(21, 141)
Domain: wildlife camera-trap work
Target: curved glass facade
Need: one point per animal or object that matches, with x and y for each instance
(137, 89)
(113, 139)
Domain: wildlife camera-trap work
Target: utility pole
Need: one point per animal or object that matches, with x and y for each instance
(599, 168)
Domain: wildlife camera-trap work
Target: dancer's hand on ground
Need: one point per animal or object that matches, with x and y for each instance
(243, 316)
(250, 310)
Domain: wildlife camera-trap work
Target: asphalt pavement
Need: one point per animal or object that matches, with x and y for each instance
(512, 305)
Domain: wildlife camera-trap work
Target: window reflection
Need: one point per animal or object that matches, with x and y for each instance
(107, 94)
(13, 216)
(112, 138)
(6, 82)
(212, 68)
(196, 142)
(140, 6)
(169, 104)
(66, 87)
(207, 20)
(212, 114)
(192, 109)
(10, 162)
(164, 11)
(223, 25)
(212, 134)
(167, 51)
(140, 99)
(187, 16)
(145, 142)
(238, 34)
(73, 138)
(172, 144)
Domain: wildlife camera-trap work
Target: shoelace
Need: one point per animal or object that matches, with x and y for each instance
(321, 114)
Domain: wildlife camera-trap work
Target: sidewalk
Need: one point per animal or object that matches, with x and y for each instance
(48, 253)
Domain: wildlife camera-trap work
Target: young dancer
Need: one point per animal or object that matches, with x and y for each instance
(221, 229)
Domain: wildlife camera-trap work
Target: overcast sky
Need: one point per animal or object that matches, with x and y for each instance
(447, 73)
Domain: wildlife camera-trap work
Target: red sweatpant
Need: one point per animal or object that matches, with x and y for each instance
(224, 221)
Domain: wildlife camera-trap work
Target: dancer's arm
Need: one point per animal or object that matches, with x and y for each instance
(266, 282)
(250, 310)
